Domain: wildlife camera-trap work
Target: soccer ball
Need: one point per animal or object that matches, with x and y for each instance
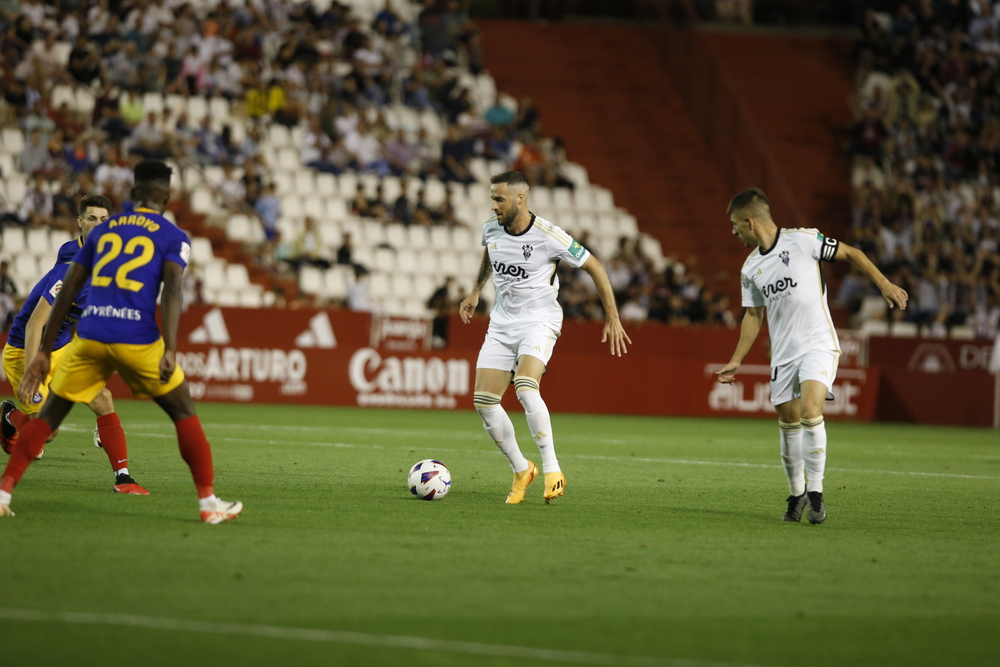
(429, 480)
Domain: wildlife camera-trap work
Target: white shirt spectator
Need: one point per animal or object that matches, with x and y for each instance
(314, 146)
(365, 148)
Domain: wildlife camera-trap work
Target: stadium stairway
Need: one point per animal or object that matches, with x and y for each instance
(601, 88)
(797, 89)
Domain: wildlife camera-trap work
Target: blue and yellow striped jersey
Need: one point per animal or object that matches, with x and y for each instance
(125, 257)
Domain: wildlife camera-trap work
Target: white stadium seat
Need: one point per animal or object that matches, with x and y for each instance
(38, 241)
(311, 280)
(14, 242)
(237, 276)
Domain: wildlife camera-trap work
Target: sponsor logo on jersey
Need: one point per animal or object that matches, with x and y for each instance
(576, 249)
(526, 249)
(512, 271)
(778, 286)
(784, 257)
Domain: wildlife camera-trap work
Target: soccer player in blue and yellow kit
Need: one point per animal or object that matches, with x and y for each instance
(23, 339)
(127, 259)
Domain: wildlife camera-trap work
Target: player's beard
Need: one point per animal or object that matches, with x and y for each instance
(507, 219)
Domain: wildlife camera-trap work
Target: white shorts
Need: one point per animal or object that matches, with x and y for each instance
(819, 365)
(503, 349)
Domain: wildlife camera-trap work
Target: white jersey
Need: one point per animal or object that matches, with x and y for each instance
(524, 272)
(788, 280)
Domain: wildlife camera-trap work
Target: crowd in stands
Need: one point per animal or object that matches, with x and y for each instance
(330, 75)
(926, 172)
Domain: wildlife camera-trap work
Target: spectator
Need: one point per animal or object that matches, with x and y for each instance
(358, 298)
(315, 148)
(36, 207)
(309, 247)
(441, 304)
(456, 152)
(35, 156)
(268, 208)
(8, 292)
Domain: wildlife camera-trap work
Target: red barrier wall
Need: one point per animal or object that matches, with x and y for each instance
(346, 358)
(934, 381)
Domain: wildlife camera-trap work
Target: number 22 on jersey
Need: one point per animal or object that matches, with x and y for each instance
(141, 246)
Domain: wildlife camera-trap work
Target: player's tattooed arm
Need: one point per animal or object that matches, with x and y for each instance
(485, 271)
(469, 303)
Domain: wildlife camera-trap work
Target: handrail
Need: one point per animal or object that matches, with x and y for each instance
(719, 112)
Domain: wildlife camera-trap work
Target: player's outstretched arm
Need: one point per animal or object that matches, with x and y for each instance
(893, 294)
(170, 303)
(469, 303)
(613, 330)
(753, 320)
(40, 364)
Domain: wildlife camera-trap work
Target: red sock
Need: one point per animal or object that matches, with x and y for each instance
(18, 419)
(109, 427)
(197, 453)
(29, 444)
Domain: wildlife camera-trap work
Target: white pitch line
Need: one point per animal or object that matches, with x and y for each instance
(731, 464)
(357, 638)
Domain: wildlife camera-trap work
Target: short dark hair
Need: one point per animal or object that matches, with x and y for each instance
(751, 198)
(510, 178)
(93, 201)
(152, 180)
(149, 171)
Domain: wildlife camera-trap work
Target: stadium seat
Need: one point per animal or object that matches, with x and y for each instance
(288, 159)
(463, 238)
(417, 236)
(904, 330)
(63, 94)
(603, 199)
(584, 199)
(363, 256)
(397, 236)
(12, 140)
(541, 197)
(963, 332)
(311, 280)
(428, 261)
(227, 297)
(237, 276)
(284, 182)
(238, 228)
(326, 185)
(25, 269)
(14, 242)
(423, 288)
(38, 241)
(336, 281)
(407, 261)
(441, 238)
(329, 234)
(469, 264)
(392, 305)
(298, 134)
(314, 206)
(348, 184)
(448, 265)
(214, 275)
(874, 328)
(201, 250)
(152, 102)
(336, 209)
(176, 103)
(402, 284)
(562, 198)
(218, 108)
(385, 260)
(414, 307)
(627, 225)
(57, 237)
(197, 109)
(85, 100)
(380, 285)
(374, 233)
(305, 182)
(392, 187)
(202, 201)
(370, 183)
(435, 192)
(251, 299)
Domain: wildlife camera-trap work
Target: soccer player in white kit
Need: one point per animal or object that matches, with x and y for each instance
(784, 275)
(522, 253)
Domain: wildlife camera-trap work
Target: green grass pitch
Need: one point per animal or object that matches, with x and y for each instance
(666, 550)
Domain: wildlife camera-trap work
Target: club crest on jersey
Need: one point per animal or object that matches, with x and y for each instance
(526, 250)
(784, 257)
(37, 398)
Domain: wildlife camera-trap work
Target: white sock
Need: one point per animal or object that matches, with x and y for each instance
(121, 471)
(791, 457)
(539, 421)
(814, 452)
(4, 498)
(208, 503)
(499, 427)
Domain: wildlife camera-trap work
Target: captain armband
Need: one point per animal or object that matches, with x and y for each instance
(829, 250)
